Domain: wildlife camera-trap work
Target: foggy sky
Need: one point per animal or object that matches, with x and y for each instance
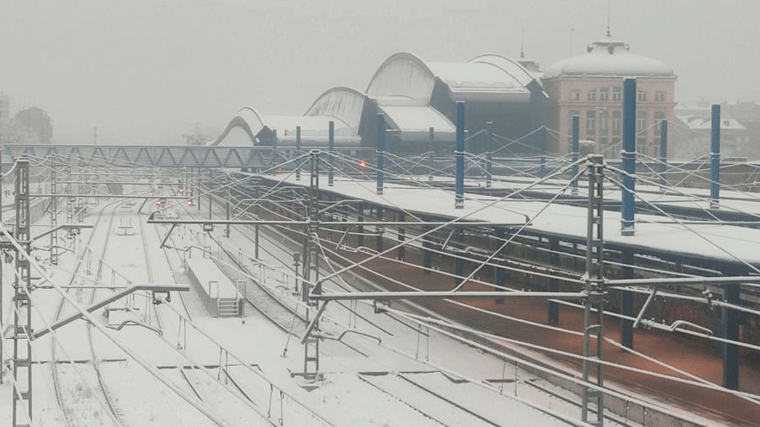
(145, 70)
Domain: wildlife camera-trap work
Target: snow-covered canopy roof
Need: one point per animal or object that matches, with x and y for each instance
(414, 122)
(314, 128)
(405, 78)
(698, 123)
(609, 58)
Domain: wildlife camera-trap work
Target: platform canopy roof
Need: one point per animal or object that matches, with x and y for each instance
(414, 122)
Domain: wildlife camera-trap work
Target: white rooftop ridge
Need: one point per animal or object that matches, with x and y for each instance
(609, 58)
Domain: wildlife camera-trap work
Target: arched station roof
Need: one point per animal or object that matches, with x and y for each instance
(342, 105)
(405, 79)
(402, 88)
(509, 65)
(247, 119)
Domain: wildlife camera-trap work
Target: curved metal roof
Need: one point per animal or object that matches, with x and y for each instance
(247, 119)
(405, 79)
(509, 65)
(609, 58)
(342, 103)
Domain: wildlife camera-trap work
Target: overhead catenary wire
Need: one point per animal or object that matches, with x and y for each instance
(697, 383)
(453, 221)
(685, 226)
(207, 411)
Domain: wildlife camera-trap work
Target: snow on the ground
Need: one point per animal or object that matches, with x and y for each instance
(362, 382)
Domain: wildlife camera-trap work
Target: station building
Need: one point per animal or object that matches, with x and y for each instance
(591, 86)
(416, 96)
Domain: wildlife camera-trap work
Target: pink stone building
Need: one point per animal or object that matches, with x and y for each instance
(591, 87)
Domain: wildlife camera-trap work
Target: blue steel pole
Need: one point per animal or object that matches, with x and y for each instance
(626, 306)
(542, 145)
(663, 152)
(576, 152)
(431, 153)
(489, 154)
(380, 152)
(331, 148)
(715, 158)
(298, 152)
(459, 157)
(553, 315)
(731, 317)
(629, 156)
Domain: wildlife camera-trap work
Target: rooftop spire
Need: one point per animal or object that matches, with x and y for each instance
(609, 34)
(522, 44)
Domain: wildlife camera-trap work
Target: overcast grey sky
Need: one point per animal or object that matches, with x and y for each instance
(146, 70)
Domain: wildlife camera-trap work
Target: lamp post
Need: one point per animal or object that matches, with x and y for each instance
(600, 111)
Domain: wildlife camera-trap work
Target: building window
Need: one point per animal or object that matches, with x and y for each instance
(604, 94)
(659, 116)
(641, 143)
(574, 95)
(603, 120)
(617, 93)
(642, 96)
(590, 122)
(659, 96)
(591, 96)
(616, 116)
(641, 120)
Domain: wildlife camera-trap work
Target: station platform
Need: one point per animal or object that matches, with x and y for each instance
(695, 356)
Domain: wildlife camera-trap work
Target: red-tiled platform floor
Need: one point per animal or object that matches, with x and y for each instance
(693, 355)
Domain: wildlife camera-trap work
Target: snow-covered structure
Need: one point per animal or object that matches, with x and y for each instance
(342, 105)
(591, 86)
(417, 95)
(414, 96)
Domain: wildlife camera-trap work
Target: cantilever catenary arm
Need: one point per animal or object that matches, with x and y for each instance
(65, 321)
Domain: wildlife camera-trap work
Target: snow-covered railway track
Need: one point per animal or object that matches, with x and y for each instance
(66, 399)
